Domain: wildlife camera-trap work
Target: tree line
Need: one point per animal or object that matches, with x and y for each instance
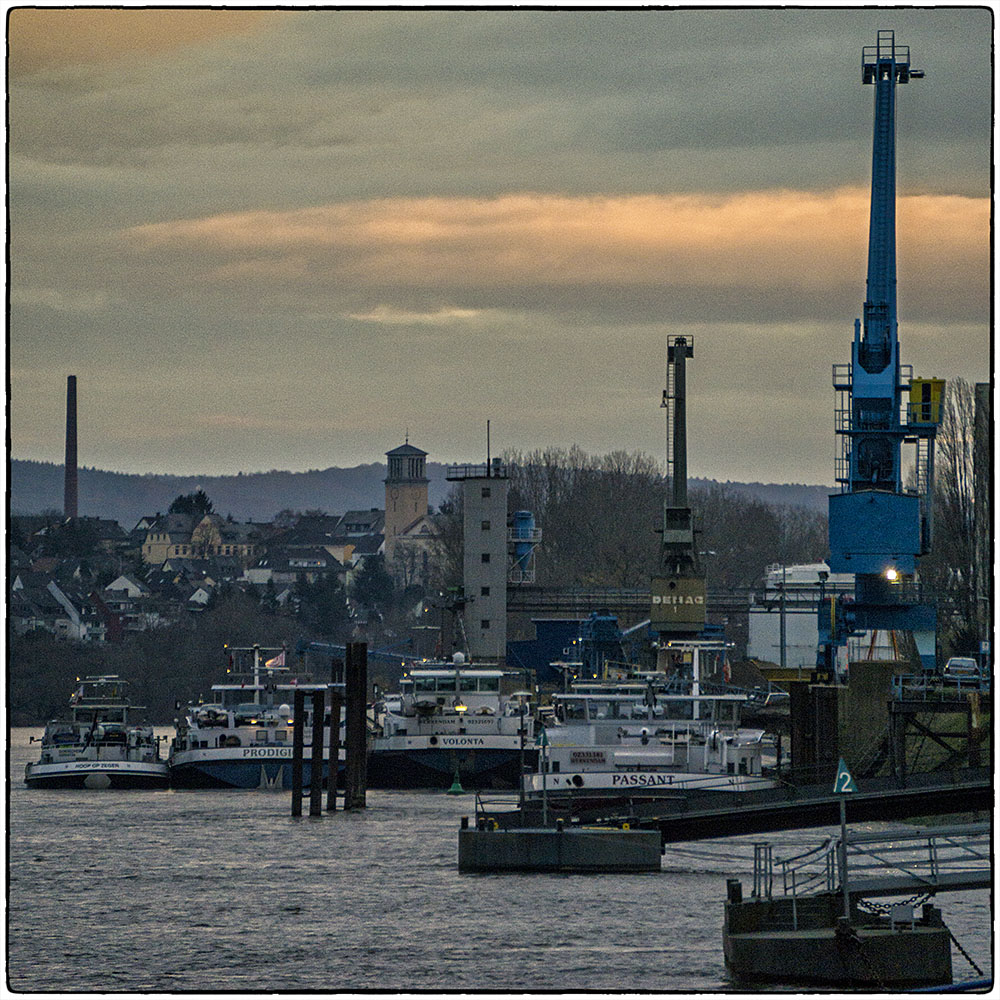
(598, 515)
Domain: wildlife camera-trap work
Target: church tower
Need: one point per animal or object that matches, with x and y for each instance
(405, 493)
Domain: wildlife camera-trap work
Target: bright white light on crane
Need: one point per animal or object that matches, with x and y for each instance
(891, 574)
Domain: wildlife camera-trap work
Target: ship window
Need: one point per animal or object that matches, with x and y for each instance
(575, 710)
(485, 525)
(489, 684)
(486, 492)
(424, 684)
(485, 623)
(261, 735)
(484, 591)
(486, 557)
(467, 684)
(281, 735)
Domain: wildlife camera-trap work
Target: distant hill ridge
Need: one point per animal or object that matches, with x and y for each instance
(257, 496)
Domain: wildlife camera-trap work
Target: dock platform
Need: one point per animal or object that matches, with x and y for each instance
(803, 941)
(569, 849)
(807, 920)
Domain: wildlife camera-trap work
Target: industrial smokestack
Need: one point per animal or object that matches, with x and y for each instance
(679, 349)
(70, 488)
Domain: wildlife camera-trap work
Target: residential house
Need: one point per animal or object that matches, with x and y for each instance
(108, 535)
(357, 523)
(38, 602)
(169, 535)
(360, 534)
(310, 531)
(200, 596)
(218, 569)
(187, 536)
(126, 608)
(413, 552)
(216, 536)
(132, 588)
(137, 536)
(286, 567)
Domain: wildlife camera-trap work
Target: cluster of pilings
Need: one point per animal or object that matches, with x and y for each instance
(347, 690)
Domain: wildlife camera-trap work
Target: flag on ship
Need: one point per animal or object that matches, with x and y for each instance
(277, 661)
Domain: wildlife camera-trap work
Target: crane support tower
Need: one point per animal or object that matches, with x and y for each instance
(878, 528)
(678, 590)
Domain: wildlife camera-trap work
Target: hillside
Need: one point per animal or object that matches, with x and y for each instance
(38, 486)
(776, 494)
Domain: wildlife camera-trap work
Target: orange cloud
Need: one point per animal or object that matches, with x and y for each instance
(768, 239)
(44, 38)
(389, 316)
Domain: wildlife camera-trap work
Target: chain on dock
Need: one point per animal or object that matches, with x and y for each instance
(844, 936)
(919, 900)
(882, 909)
(965, 954)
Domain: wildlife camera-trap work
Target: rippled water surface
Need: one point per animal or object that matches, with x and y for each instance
(222, 890)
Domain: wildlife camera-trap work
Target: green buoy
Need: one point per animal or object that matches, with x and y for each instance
(456, 785)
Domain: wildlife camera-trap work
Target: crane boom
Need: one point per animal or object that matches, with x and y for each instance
(876, 527)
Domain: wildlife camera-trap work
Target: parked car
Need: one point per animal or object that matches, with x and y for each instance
(962, 668)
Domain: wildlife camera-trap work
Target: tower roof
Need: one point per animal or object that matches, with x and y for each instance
(406, 449)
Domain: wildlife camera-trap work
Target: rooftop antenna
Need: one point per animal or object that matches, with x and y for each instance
(487, 448)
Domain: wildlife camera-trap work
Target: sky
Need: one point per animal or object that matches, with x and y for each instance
(269, 239)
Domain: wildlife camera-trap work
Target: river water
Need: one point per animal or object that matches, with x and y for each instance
(196, 890)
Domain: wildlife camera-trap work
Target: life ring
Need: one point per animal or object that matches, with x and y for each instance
(433, 741)
(577, 780)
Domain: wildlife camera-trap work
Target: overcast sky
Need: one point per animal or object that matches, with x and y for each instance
(267, 239)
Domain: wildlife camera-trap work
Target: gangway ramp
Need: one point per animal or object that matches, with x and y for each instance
(918, 862)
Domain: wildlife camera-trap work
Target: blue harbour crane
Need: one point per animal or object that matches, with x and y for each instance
(877, 525)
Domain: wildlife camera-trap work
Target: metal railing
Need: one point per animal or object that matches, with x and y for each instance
(494, 470)
(811, 871)
(896, 863)
(486, 809)
(931, 687)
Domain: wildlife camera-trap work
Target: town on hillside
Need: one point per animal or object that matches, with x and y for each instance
(90, 580)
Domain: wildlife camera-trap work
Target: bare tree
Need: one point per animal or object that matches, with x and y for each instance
(952, 568)
(447, 548)
(599, 516)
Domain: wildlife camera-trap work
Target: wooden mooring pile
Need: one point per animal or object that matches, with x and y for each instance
(346, 693)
